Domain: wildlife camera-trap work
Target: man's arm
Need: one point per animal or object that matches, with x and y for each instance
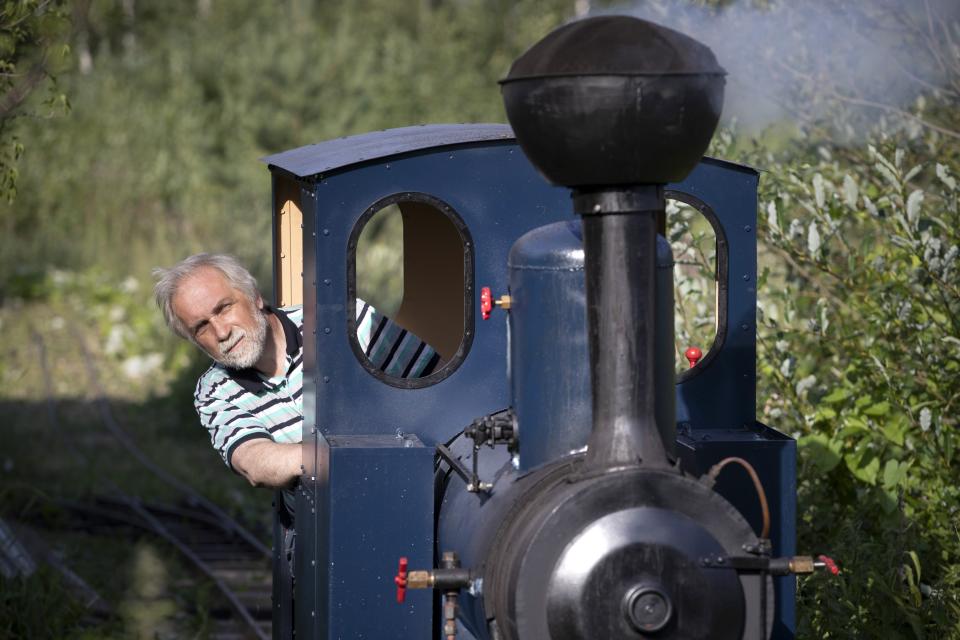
(265, 463)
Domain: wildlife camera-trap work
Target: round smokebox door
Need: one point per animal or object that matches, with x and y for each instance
(636, 574)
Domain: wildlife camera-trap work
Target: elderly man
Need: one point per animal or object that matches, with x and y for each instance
(250, 399)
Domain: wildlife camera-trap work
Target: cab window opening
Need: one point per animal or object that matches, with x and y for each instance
(410, 282)
(698, 301)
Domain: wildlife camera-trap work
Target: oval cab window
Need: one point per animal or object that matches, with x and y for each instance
(700, 264)
(410, 272)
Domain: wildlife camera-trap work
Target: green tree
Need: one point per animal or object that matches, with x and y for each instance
(859, 348)
(173, 103)
(32, 49)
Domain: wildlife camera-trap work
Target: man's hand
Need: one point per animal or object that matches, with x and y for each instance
(265, 463)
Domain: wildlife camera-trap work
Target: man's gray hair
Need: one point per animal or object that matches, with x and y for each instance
(169, 280)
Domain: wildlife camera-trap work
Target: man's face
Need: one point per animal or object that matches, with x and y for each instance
(221, 320)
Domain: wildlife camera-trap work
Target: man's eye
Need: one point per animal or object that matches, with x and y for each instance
(199, 331)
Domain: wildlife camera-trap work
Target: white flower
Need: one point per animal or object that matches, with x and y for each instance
(60, 277)
(130, 285)
(137, 367)
(115, 339)
(925, 418)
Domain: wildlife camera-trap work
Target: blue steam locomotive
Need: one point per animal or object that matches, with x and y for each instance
(553, 478)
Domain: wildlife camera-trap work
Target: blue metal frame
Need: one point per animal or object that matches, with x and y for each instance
(483, 175)
(721, 390)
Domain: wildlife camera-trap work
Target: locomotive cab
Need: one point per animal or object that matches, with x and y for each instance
(393, 466)
(378, 503)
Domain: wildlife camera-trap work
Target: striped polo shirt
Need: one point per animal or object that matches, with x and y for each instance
(391, 348)
(236, 405)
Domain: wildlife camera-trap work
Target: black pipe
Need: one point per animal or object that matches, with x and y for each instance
(619, 242)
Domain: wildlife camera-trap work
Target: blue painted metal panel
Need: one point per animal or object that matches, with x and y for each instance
(549, 355)
(773, 456)
(499, 197)
(721, 391)
(383, 511)
(336, 154)
(312, 523)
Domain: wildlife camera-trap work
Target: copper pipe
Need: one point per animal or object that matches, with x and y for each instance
(761, 494)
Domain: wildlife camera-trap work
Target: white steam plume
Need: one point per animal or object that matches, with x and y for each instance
(846, 61)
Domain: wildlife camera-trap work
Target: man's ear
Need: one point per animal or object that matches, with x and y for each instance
(259, 302)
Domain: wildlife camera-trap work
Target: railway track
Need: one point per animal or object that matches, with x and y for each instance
(217, 546)
(237, 569)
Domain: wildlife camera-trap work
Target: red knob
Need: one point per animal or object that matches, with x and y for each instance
(401, 581)
(486, 302)
(830, 564)
(693, 354)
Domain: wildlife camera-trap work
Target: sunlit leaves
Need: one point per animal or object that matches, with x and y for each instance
(914, 201)
(823, 452)
(943, 173)
(861, 258)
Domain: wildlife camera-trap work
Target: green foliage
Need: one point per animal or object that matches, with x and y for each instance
(859, 339)
(158, 157)
(859, 352)
(32, 48)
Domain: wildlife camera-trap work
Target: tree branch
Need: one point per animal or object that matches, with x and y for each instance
(18, 93)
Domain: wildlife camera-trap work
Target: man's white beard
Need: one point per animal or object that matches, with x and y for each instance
(247, 353)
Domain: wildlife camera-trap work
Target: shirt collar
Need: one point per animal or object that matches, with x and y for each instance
(250, 379)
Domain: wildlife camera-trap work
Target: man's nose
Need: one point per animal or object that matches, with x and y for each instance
(220, 328)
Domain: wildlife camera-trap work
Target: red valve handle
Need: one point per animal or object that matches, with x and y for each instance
(401, 581)
(693, 354)
(830, 564)
(486, 302)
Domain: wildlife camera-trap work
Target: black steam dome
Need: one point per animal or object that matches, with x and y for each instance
(614, 100)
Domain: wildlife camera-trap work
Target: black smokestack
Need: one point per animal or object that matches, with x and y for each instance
(616, 107)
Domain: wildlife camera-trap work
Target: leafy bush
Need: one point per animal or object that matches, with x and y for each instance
(860, 353)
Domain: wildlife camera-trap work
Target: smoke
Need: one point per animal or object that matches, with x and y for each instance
(846, 62)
